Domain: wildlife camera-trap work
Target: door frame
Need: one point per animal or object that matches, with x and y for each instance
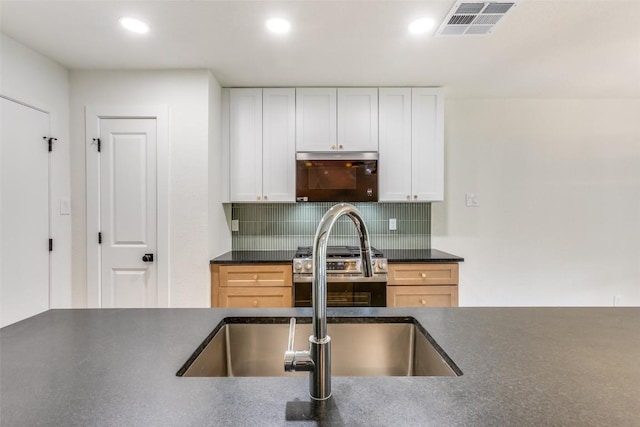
(93, 115)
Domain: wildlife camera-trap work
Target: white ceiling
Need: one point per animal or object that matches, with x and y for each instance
(556, 48)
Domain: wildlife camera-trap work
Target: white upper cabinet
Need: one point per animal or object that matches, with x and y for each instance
(262, 145)
(245, 140)
(279, 145)
(316, 119)
(427, 142)
(411, 165)
(265, 127)
(358, 119)
(343, 119)
(394, 170)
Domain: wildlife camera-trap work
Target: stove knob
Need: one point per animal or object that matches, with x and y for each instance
(297, 266)
(307, 266)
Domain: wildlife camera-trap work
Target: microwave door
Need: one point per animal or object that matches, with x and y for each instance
(336, 181)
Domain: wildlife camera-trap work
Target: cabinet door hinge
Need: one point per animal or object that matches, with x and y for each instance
(97, 141)
(50, 245)
(99, 238)
(49, 142)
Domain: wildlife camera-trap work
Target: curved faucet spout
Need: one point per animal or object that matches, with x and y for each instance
(319, 257)
(317, 360)
(320, 342)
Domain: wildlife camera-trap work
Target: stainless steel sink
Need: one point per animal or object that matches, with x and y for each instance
(254, 347)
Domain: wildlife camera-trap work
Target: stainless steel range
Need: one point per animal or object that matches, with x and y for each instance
(346, 284)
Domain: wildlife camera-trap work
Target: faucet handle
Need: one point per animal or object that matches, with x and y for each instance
(296, 360)
(292, 334)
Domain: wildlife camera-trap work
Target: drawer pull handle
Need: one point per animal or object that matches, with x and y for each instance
(423, 302)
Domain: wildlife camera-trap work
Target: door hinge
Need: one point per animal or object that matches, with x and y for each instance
(49, 142)
(97, 141)
(50, 245)
(99, 238)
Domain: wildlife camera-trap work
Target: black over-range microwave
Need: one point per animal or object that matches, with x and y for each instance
(337, 177)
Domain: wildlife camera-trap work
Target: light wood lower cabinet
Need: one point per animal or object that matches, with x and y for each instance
(262, 285)
(423, 285)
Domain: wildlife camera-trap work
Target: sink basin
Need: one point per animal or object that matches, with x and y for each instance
(254, 347)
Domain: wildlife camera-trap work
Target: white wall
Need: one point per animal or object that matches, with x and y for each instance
(35, 80)
(219, 214)
(187, 95)
(559, 190)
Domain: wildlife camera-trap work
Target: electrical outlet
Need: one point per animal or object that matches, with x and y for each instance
(235, 225)
(393, 224)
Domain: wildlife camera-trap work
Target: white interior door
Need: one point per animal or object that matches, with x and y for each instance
(128, 212)
(24, 212)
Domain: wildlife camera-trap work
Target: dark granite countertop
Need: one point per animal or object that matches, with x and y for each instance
(283, 257)
(250, 257)
(521, 367)
(419, 255)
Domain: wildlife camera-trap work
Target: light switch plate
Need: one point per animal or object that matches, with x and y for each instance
(65, 207)
(393, 224)
(471, 199)
(235, 225)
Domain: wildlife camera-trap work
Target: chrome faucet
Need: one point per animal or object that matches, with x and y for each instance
(317, 360)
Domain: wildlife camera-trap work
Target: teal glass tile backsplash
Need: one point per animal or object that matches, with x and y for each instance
(276, 226)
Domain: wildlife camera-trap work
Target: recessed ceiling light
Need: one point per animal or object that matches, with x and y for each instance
(278, 25)
(134, 25)
(421, 26)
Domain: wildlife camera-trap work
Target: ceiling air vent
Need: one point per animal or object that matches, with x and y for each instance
(473, 18)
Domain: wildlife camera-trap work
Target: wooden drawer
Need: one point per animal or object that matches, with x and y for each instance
(254, 297)
(255, 275)
(422, 296)
(423, 274)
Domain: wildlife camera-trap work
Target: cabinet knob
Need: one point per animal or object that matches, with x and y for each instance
(423, 302)
(408, 197)
(255, 277)
(333, 147)
(264, 198)
(255, 303)
(257, 197)
(423, 275)
(340, 146)
(415, 196)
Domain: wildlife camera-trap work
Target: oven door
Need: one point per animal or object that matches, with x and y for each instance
(341, 177)
(344, 294)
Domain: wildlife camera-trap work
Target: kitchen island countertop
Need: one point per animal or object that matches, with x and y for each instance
(521, 367)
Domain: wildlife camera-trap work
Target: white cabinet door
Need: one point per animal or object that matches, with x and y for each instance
(245, 135)
(316, 119)
(394, 170)
(278, 145)
(427, 140)
(358, 119)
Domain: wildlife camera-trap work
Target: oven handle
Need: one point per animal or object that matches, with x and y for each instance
(334, 278)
